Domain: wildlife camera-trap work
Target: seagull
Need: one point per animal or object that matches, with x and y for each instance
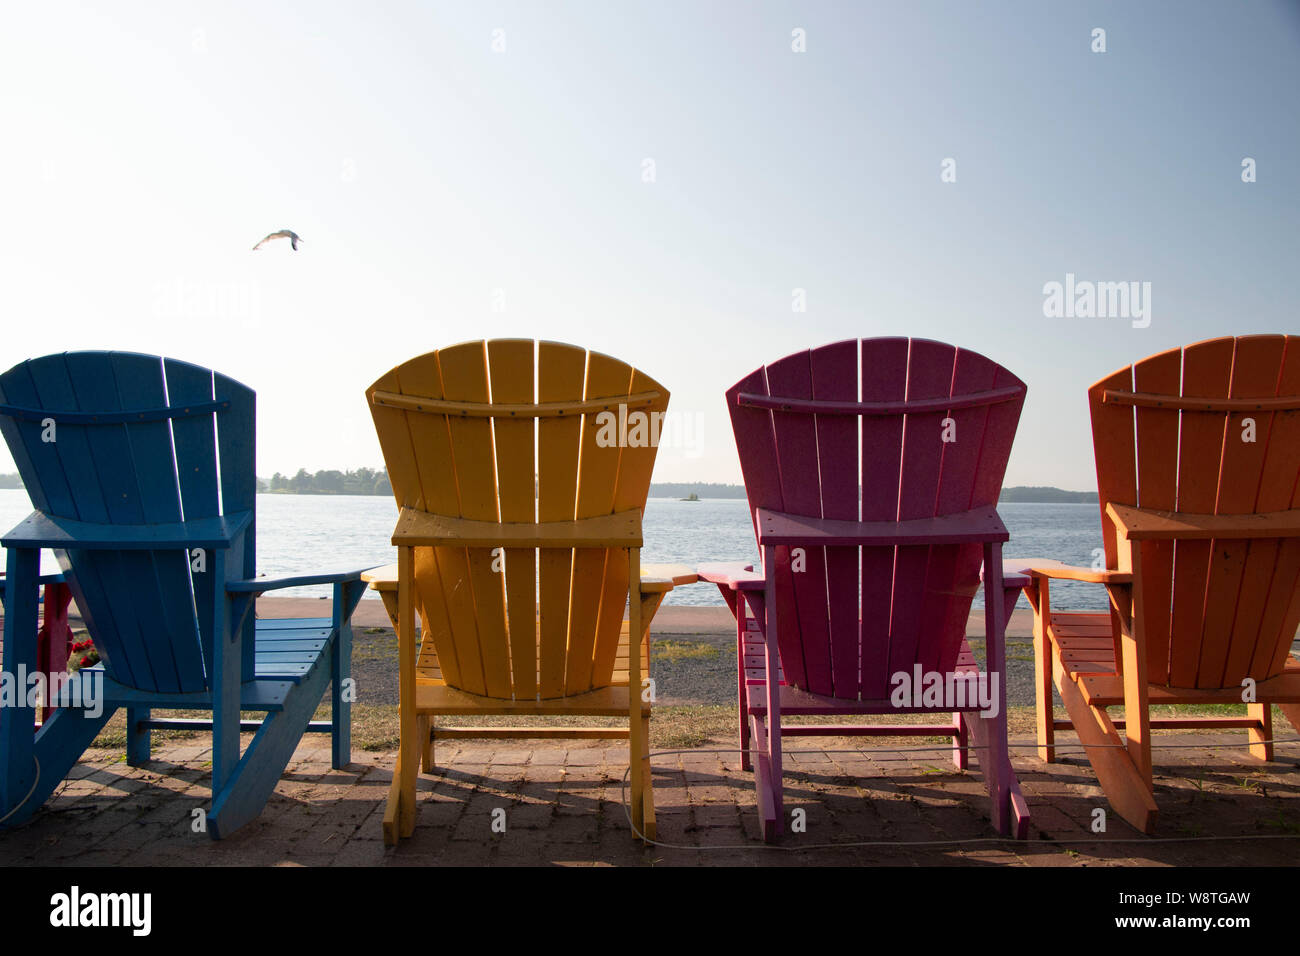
(282, 234)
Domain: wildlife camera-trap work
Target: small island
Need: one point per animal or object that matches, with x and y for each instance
(691, 497)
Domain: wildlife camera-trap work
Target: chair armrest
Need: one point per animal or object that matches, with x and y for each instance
(735, 575)
(39, 530)
(1049, 569)
(259, 585)
(975, 526)
(1014, 574)
(659, 578)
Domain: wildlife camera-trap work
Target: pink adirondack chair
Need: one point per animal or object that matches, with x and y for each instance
(864, 594)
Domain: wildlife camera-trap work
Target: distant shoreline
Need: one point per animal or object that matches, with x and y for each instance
(1035, 494)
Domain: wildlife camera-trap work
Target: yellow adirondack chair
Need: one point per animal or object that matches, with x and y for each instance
(1198, 456)
(521, 470)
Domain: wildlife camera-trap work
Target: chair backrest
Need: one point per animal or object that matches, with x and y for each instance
(517, 431)
(119, 438)
(1213, 428)
(924, 429)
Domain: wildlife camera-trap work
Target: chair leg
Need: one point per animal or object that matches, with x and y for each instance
(424, 727)
(960, 741)
(241, 798)
(647, 826)
(1130, 793)
(1045, 719)
(1292, 713)
(742, 695)
(1261, 735)
(138, 738)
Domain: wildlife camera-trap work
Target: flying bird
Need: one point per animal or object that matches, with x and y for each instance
(282, 234)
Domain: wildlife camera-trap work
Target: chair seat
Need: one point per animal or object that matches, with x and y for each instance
(288, 651)
(1086, 648)
(288, 648)
(797, 701)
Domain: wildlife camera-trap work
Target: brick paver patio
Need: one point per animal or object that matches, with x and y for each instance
(562, 805)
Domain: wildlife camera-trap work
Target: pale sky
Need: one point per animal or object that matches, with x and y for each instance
(147, 147)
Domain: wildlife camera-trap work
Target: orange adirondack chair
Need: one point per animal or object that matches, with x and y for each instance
(521, 470)
(1198, 455)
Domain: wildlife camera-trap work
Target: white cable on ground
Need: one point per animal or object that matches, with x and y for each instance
(29, 792)
(1146, 840)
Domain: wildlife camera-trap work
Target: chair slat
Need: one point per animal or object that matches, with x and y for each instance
(194, 442)
(1256, 362)
(835, 378)
(1207, 372)
(511, 367)
(1279, 484)
(447, 607)
(1157, 441)
(953, 570)
(759, 464)
(930, 371)
(796, 448)
(100, 574)
(884, 378)
(465, 378)
(636, 464)
(561, 372)
(597, 572)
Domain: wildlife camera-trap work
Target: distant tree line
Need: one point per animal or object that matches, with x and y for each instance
(363, 481)
(1043, 495)
(367, 481)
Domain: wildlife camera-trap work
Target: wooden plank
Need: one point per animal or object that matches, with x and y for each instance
(195, 443)
(465, 378)
(1157, 442)
(1207, 369)
(1257, 360)
(609, 701)
(140, 383)
(621, 530)
(759, 464)
(930, 371)
(236, 444)
(807, 638)
(636, 464)
(599, 575)
(442, 574)
(883, 378)
(97, 577)
(1141, 525)
(1278, 488)
(511, 365)
(638, 400)
(835, 378)
(975, 526)
(953, 573)
(1113, 452)
(560, 373)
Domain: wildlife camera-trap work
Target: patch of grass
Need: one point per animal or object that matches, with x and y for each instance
(670, 650)
(1283, 824)
(681, 728)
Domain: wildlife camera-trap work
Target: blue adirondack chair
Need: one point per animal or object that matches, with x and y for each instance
(142, 473)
